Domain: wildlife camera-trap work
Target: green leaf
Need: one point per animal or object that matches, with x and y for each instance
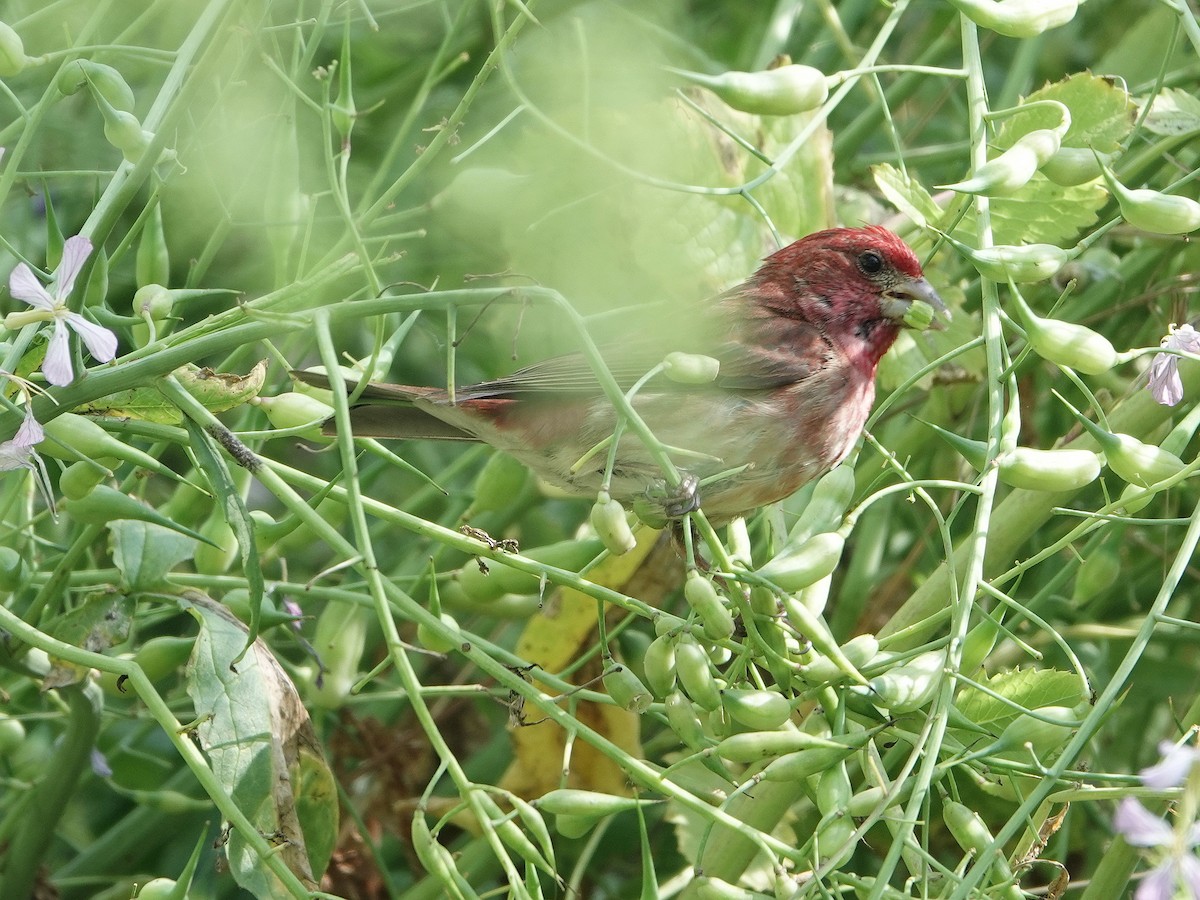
(101, 621)
(1028, 688)
(145, 553)
(236, 516)
(217, 391)
(1173, 111)
(1044, 212)
(261, 746)
(1101, 114)
(908, 196)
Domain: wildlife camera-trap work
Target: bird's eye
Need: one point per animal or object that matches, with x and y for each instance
(871, 262)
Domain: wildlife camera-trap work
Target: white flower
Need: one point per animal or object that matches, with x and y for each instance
(23, 285)
(1165, 384)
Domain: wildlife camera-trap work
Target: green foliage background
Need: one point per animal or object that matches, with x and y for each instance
(446, 190)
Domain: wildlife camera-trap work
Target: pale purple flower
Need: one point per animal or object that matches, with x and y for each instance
(1165, 384)
(1174, 767)
(1141, 828)
(23, 285)
(18, 453)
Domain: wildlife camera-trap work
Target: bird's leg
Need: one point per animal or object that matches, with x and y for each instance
(683, 499)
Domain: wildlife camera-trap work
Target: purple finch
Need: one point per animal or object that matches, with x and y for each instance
(798, 344)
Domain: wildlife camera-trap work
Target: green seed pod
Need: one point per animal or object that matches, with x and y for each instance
(1134, 461)
(12, 52)
(684, 720)
(124, 131)
(908, 687)
(339, 641)
(978, 644)
(105, 504)
(79, 478)
(1049, 470)
(96, 291)
(718, 722)
(759, 745)
(431, 639)
(833, 791)
(12, 570)
(691, 368)
(873, 799)
(783, 91)
(164, 655)
(974, 452)
(72, 437)
(216, 560)
(1096, 576)
(535, 824)
(805, 763)
(612, 525)
(708, 604)
(1044, 737)
(970, 832)
(153, 300)
(626, 689)
(760, 710)
(1153, 211)
(512, 834)
(12, 735)
(105, 80)
(500, 579)
(858, 651)
(709, 887)
(827, 505)
(153, 264)
(436, 859)
(797, 567)
(1071, 166)
(1018, 18)
(659, 665)
(574, 802)
(1065, 343)
(737, 539)
(999, 177)
(295, 410)
(1027, 263)
(573, 827)
(499, 483)
(237, 601)
(695, 674)
(162, 889)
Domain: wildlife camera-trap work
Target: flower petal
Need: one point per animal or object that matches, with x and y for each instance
(30, 434)
(1139, 826)
(1185, 338)
(23, 285)
(101, 342)
(1173, 769)
(17, 453)
(75, 253)
(1165, 385)
(1189, 867)
(57, 364)
(1159, 883)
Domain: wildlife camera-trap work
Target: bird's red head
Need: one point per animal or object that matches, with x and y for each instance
(855, 284)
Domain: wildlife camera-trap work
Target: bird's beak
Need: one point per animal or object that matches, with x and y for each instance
(898, 304)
